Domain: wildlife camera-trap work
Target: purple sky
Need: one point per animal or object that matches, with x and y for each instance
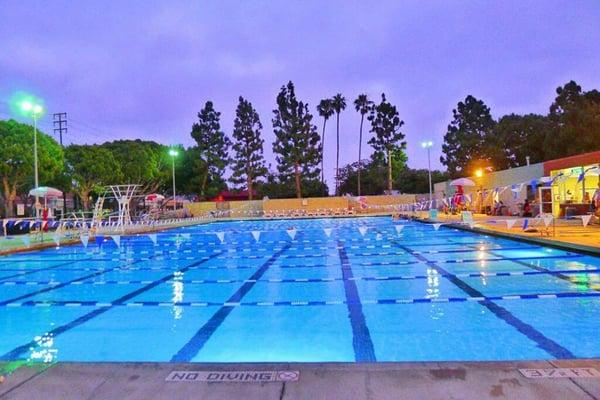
(142, 69)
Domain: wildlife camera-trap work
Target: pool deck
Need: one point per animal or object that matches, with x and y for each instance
(431, 381)
(569, 235)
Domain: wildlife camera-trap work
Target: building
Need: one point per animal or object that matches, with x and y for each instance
(562, 187)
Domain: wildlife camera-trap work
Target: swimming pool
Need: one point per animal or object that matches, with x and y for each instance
(312, 290)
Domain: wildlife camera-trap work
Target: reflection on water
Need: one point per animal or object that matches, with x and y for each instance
(177, 294)
(433, 283)
(45, 351)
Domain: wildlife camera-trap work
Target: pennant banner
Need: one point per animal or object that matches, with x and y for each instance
(84, 239)
(153, 237)
(221, 236)
(116, 239)
(547, 220)
(586, 219)
(327, 231)
(436, 226)
(56, 237)
(362, 230)
(292, 233)
(399, 228)
(256, 235)
(510, 223)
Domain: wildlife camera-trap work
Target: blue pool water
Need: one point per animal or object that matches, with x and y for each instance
(352, 289)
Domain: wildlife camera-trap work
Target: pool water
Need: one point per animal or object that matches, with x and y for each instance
(312, 290)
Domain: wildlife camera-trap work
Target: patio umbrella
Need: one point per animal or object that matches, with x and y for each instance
(462, 182)
(45, 191)
(155, 197)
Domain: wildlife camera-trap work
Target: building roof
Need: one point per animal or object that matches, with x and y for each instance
(572, 161)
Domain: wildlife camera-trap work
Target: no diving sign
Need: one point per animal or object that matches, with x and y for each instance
(233, 376)
(553, 373)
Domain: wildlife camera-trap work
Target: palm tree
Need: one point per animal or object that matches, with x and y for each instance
(325, 110)
(339, 104)
(363, 105)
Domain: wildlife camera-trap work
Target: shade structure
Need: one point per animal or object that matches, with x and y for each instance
(462, 182)
(45, 191)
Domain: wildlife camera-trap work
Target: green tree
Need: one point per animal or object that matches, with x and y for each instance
(363, 105)
(142, 162)
(575, 122)
(91, 168)
(249, 163)
(469, 137)
(339, 104)
(385, 125)
(189, 175)
(212, 144)
(523, 136)
(16, 161)
(325, 110)
(416, 181)
(297, 144)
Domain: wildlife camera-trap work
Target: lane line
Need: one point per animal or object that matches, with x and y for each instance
(199, 339)
(543, 342)
(364, 350)
(18, 351)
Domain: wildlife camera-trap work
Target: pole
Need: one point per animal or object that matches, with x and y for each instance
(174, 199)
(35, 162)
(429, 170)
(58, 120)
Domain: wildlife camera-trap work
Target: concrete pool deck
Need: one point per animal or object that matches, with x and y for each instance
(569, 235)
(431, 381)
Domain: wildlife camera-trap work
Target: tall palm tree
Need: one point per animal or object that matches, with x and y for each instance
(363, 105)
(339, 104)
(325, 110)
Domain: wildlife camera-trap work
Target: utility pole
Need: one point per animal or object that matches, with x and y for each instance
(60, 119)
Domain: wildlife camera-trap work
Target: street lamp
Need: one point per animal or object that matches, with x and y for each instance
(34, 110)
(427, 145)
(479, 175)
(173, 153)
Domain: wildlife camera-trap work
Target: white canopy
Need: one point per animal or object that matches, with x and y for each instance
(45, 191)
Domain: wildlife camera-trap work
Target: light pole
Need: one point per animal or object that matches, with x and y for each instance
(479, 175)
(34, 110)
(427, 145)
(173, 153)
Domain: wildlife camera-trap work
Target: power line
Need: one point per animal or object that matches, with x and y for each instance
(59, 120)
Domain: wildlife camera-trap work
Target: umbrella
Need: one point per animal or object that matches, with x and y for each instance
(155, 197)
(462, 182)
(45, 191)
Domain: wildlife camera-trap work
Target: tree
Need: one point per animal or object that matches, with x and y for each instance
(416, 181)
(190, 175)
(575, 122)
(91, 168)
(325, 110)
(249, 163)
(469, 137)
(363, 105)
(212, 145)
(142, 162)
(339, 104)
(16, 160)
(523, 136)
(297, 143)
(385, 125)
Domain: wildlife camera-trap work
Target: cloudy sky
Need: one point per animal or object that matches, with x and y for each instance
(142, 69)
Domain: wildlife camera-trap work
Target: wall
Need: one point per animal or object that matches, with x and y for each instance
(308, 204)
